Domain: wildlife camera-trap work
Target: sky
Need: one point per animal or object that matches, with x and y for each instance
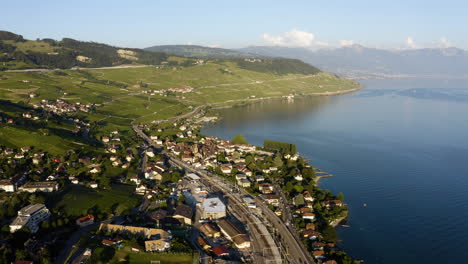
(234, 24)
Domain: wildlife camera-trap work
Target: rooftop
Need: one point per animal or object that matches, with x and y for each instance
(30, 209)
(213, 205)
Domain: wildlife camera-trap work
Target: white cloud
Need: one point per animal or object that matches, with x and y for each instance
(410, 43)
(344, 42)
(293, 38)
(445, 43)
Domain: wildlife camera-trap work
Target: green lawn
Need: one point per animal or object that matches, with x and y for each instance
(146, 258)
(76, 199)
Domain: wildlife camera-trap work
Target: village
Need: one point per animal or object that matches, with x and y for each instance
(179, 211)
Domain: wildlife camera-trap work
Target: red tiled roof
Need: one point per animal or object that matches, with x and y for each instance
(86, 218)
(220, 251)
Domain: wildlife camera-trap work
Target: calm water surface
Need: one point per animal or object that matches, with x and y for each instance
(400, 146)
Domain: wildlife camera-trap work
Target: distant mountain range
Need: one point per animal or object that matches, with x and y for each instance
(354, 61)
(360, 61)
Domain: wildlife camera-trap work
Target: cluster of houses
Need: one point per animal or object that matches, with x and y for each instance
(60, 106)
(165, 91)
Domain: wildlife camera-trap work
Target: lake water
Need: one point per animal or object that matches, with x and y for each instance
(400, 146)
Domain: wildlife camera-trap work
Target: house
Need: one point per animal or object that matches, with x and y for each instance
(7, 186)
(318, 245)
(95, 170)
(30, 216)
(48, 186)
(311, 234)
(149, 152)
(184, 214)
(213, 208)
(226, 169)
(203, 243)
(308, 197)
(85, 220)
(93, 185)
(135, 179)
(265, 188)
(259, 178)
(240, 177)
(75, 181)
(105, 139)
(220, 251)
(141, 189)
(272, 199)
(108, 243)
(332, 203)
(308, 216)
(244, 183)
(331, 261)
(209, 230)
(234, 233)
(310, 226)
(249, 201)
(298, 177)
(318, 254)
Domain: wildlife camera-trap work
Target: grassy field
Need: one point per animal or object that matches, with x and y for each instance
(31, 45)
(146, 258)
(76, 199)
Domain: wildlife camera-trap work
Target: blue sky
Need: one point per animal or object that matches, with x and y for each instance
(232, 24)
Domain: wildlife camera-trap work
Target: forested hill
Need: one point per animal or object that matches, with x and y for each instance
(200, 51)
(19, 53)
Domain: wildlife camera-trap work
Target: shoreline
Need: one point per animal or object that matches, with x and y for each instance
(337, 222)
(243, 102)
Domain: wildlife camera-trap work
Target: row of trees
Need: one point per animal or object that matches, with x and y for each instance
(283, 147)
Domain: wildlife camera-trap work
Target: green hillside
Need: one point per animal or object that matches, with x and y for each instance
(19, 53)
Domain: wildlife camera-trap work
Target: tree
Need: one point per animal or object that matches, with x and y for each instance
(340, 196)
(239, 139)
(329, 234)
(277, 161)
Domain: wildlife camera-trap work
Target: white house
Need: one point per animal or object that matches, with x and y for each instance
(7, 186)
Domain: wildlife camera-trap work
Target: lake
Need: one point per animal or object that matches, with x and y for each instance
(399, 145)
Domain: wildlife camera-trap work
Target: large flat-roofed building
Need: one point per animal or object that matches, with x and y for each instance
(213, 208)
(30, 217)
(48, 186)
(234, 233)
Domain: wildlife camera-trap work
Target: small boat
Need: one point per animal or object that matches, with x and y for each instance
(345, 225)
